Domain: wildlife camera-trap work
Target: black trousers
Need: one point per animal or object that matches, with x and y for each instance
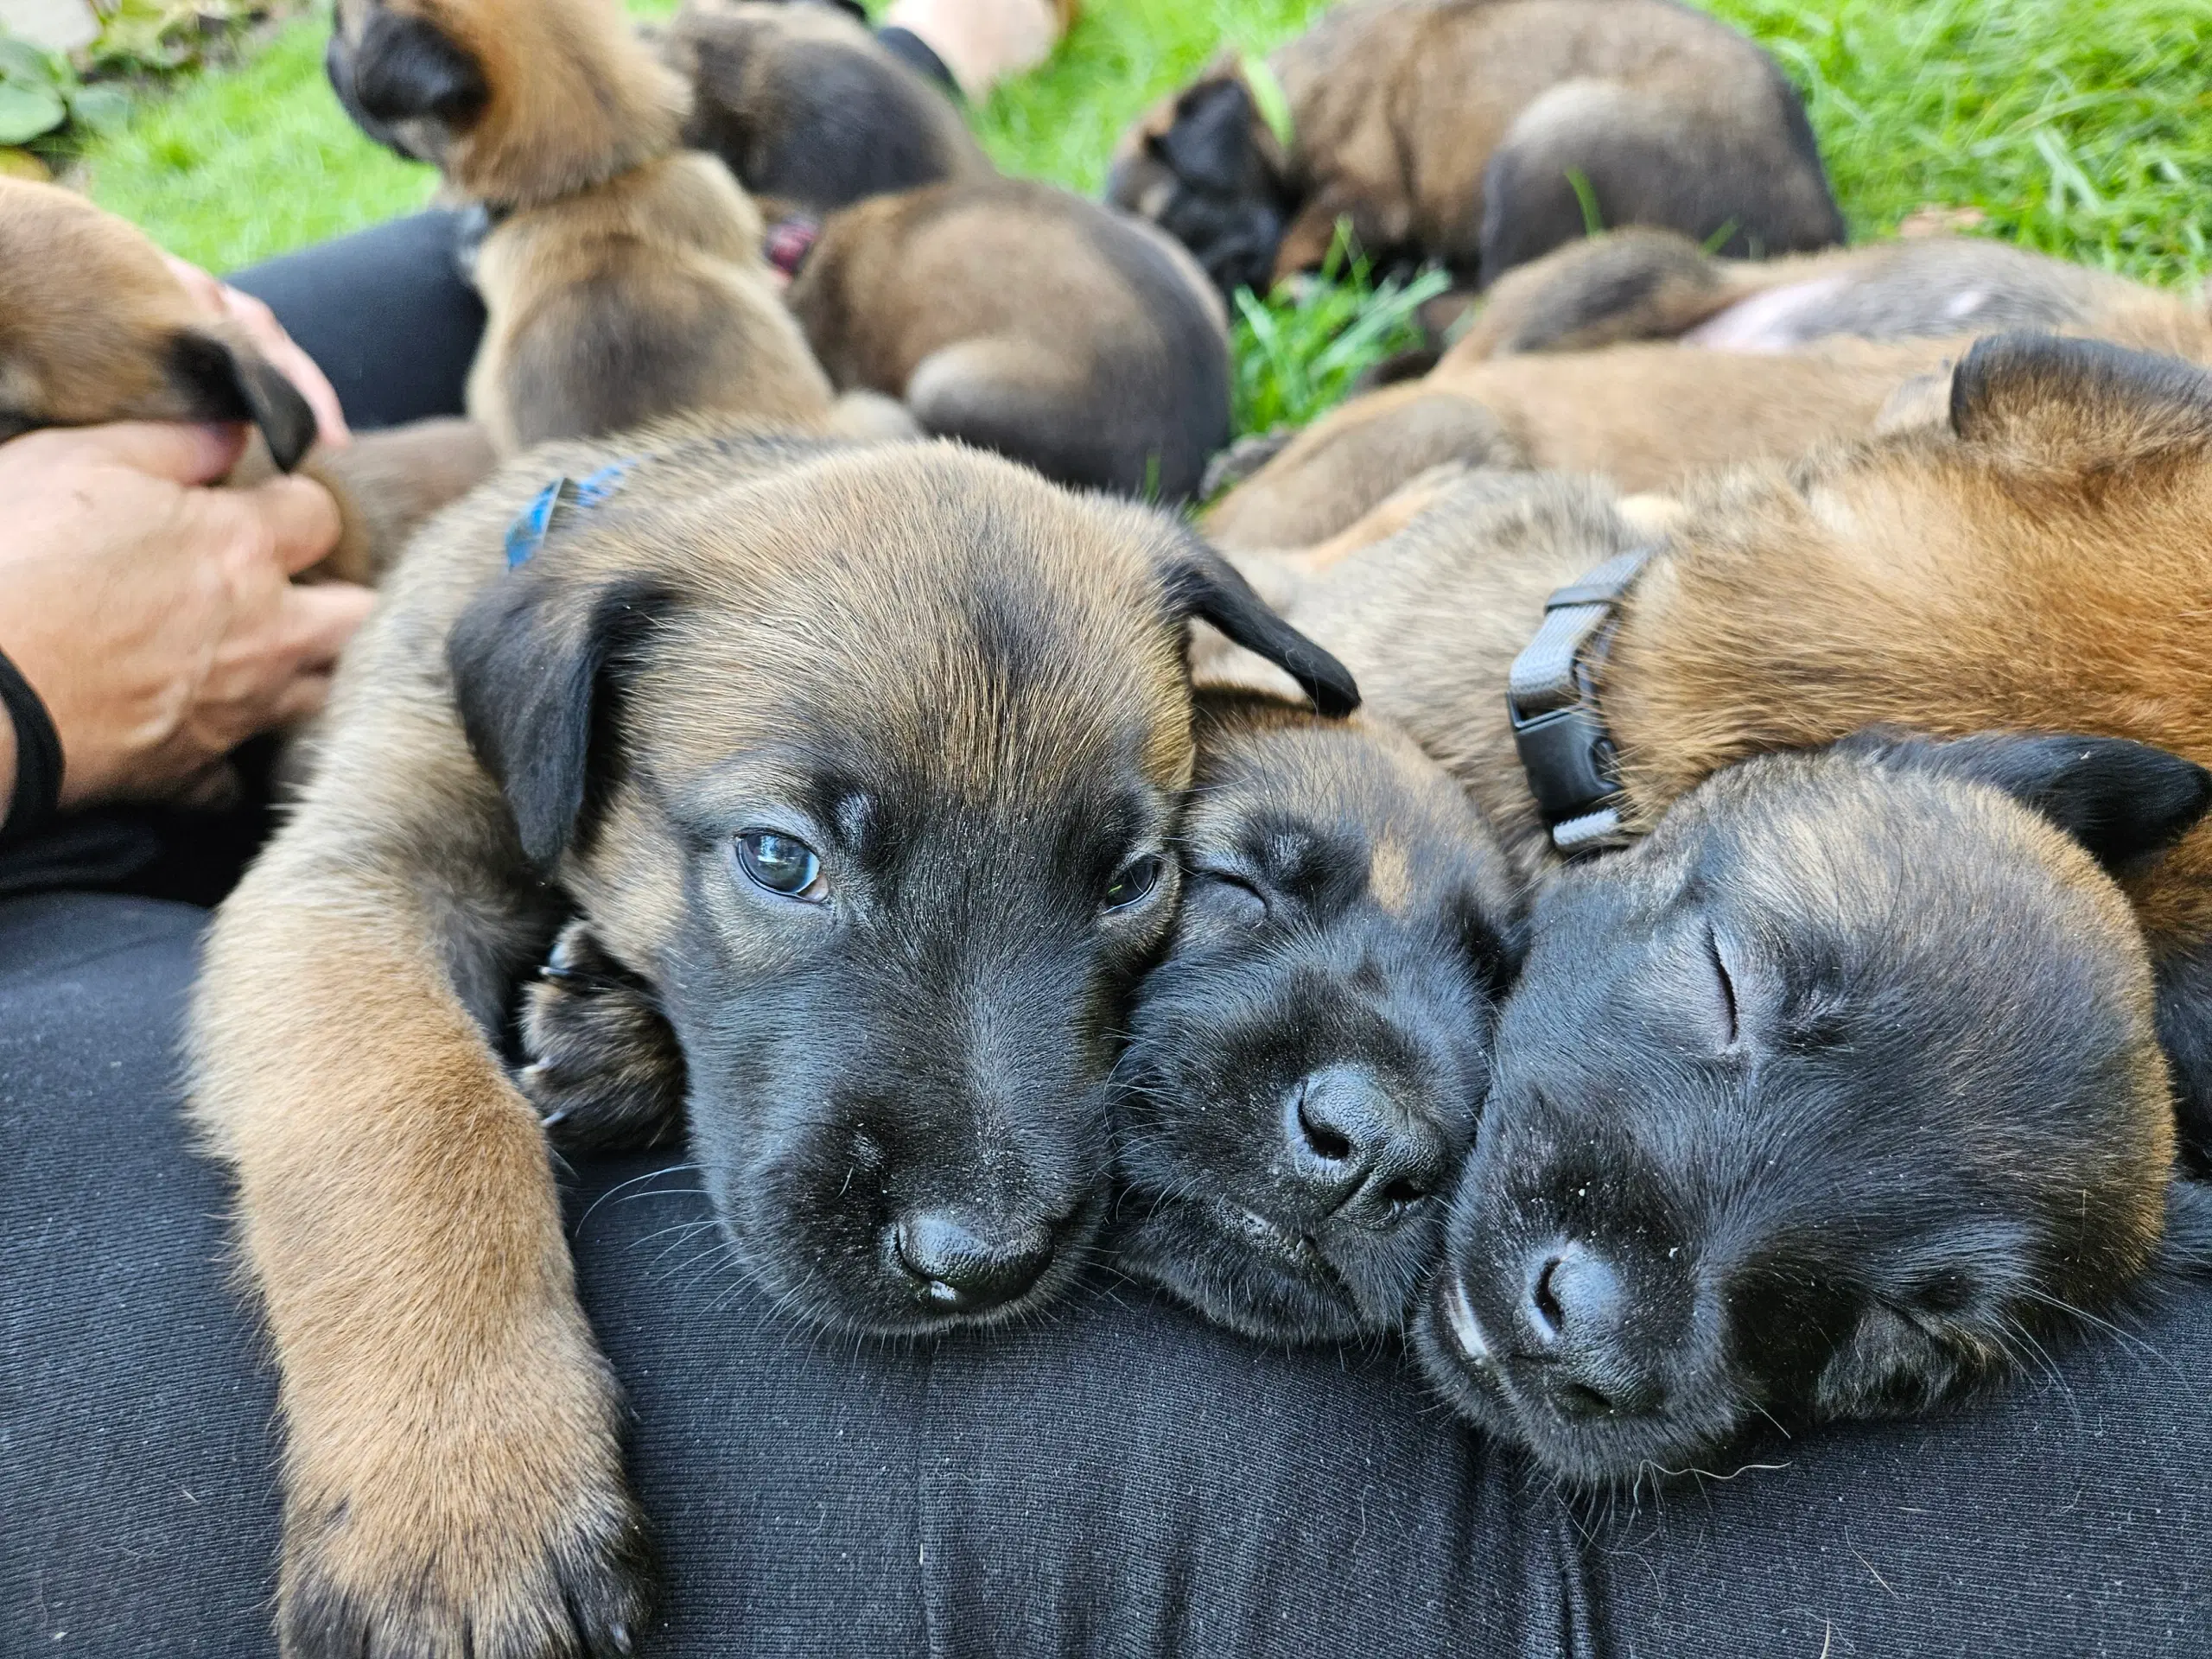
(1114, 1479)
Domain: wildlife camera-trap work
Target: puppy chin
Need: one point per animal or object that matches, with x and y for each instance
(1457, 1351)
(1243, 1272)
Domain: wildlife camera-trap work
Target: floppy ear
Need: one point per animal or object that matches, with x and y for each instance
(2121, 800)
(538, 661)
(1201, 583)
(1210, 144)
(2078, 402)
(222, 382)
(405, 69)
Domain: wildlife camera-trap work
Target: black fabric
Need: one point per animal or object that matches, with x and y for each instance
(916, 53)
(385, 314)
(37, 789)
(1112, 1478)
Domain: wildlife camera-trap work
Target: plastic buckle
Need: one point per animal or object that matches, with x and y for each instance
(1568, 757)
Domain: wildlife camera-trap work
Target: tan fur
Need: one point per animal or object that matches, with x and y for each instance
(452, 1432)
(1398, 106)
(1016, 314)
(642, 297)
(89, 315)
(574, 98)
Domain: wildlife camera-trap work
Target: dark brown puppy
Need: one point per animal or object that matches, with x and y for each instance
(808, 111)
(1454, 130)
(825, 811)
(1303, 1066)
(95, 327)
(1022, 318)
(623, 277)
(1654, 285)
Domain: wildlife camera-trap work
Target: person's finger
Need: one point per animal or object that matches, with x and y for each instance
(300, 516)
(303, 696)
(207, 293)
(317, 617)
(182, 452)
(259, 325)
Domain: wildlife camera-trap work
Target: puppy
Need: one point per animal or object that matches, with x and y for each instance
(95, 327)
(622, 278)
(690, 690)
(1654, 285)
(1018, 317)
(1302, 1067)
(1452, 131)
(808, 111)
(1807, 940)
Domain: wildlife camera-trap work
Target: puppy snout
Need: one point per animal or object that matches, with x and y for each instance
(1354, 1151)
(962, 1265)
(1580, 1315)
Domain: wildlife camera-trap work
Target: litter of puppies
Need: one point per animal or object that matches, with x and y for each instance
(1747, 961)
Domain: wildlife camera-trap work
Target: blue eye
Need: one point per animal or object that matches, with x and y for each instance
(781, 865)
(1132, 881)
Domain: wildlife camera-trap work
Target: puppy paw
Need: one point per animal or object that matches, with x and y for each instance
(415, 1544)
(602, 1066)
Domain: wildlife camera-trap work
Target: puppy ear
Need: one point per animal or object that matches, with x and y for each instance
(405, 69)
(2078, 402)
(1210, 142)
(537, 662)
(1201, 583)
(222, 382)
(2121, 800)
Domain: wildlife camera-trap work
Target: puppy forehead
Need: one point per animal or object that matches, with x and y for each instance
(938, 605)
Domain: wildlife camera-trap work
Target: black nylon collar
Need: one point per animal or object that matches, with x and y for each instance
(1566, 749)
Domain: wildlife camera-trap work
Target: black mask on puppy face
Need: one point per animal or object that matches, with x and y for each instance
(1204, 182)
(1304, 1066)
(1831, 1098)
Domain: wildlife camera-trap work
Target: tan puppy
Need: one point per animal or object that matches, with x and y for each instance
(1454, 130)
(691, 691)
(1020, 317)
(808, 111)
(95, 327)
(1654, 285)
(623, 278)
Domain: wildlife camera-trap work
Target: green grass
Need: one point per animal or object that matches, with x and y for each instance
(2082, 128)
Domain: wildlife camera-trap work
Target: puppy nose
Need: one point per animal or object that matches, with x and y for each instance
(1577, 1313)
(1352, 1150)
(962, 1267)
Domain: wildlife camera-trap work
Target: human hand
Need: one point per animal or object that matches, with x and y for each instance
(259, 325)
(157, 621)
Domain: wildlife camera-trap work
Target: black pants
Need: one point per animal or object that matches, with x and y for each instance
(1116, 1479)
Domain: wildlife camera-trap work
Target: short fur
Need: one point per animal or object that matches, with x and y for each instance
(1654, 285)
(1448, 129)
(1648, 415)
(735, 647)
(1022, 318)
(808, 111)
(94, 327)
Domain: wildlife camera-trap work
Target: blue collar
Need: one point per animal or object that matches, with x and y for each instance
(535, 522)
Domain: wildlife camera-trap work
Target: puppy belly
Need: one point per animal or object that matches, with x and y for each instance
(1776, 321)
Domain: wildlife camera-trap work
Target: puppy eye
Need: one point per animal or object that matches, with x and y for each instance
(1232, 889)
(782, 865)
(1727, 985)
(1132, 881)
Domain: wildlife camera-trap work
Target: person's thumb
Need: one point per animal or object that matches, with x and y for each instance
(182, 452)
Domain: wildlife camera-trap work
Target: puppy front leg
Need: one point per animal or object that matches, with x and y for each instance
(452, 1472)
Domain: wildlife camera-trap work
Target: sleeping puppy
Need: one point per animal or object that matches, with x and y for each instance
(1654, 284)
(808, 111)
(1020, 317)
(1714, 1032)
(623, 277)
(1454, 131)
(95, 327)
(1303, 1065)
(688, 689)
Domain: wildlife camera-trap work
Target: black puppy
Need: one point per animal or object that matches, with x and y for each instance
(1838, 1094)
(1305, 1066)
